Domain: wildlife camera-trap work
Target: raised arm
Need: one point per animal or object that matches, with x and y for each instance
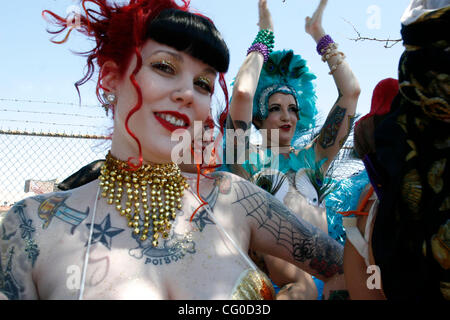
(340, 119)
(247, 78)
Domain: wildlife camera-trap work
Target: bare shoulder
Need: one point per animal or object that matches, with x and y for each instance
(228, 182)
(41, 211)
(25, 229)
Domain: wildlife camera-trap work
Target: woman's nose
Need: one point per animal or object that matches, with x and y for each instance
(284, 115)
(183, 95)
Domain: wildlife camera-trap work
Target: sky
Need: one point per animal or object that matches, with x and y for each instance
(34, 69)
(37, 79)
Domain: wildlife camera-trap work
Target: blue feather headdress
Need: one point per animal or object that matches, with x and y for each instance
(287, 73)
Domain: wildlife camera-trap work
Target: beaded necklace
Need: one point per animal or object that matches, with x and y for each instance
(147, 197)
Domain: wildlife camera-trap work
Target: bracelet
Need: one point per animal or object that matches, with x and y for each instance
(333, 53)
(323, 43)
(266, 37)
(329, 48)
(261, 48)
(334, 67)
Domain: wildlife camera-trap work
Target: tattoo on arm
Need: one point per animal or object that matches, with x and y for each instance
(238, 124)
(331, 127)
(239, 134)
(9, 286)
(304, 241)
(19, 251)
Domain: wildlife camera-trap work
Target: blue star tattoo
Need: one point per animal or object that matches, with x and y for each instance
(202, 219)
(104, 232)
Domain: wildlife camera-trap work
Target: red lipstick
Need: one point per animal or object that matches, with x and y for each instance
(170, 126)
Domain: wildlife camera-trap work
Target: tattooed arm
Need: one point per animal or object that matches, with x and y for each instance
(278, 232)
(339, 122)
(19, 253)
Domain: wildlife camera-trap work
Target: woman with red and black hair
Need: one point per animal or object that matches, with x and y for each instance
(142, 230)
(358, 256)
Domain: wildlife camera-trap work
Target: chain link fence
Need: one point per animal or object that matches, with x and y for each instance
(33, 163)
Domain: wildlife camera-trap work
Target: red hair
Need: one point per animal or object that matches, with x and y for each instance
(382, 97)
(111, 27)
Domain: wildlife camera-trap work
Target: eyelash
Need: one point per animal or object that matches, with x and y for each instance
(165, 66)
(205, 84)
(295, 109)
(274, 109)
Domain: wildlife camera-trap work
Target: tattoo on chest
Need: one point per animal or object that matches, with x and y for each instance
(202, 218)
(104, 232)
(178, 246)
(54, 206)
(172, 250)
(331, 127)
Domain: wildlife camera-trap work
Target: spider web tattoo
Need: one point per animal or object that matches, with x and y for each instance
(302, 240)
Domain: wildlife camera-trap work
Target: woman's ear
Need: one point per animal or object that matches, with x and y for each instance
(110, 76)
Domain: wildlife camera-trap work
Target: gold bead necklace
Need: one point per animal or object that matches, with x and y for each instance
(147, 197)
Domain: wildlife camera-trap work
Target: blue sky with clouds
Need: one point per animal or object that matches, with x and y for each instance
(32, 68)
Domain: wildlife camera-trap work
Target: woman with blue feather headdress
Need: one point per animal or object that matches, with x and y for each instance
(274, 91)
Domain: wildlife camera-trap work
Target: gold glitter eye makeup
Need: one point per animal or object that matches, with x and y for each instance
(164, 66)
(204, 83)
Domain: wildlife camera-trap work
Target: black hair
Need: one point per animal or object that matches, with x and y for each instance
(192, 34)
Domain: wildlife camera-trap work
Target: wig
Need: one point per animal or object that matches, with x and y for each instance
(384, 95)
(120, 30)
(287, 73)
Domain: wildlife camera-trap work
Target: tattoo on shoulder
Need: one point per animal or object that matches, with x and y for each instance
(27, 231)
(304, 241)
(223, 182)
(55, 207)
(331, 127)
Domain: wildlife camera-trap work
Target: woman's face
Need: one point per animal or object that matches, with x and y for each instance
(176, 91)
(282, 116)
